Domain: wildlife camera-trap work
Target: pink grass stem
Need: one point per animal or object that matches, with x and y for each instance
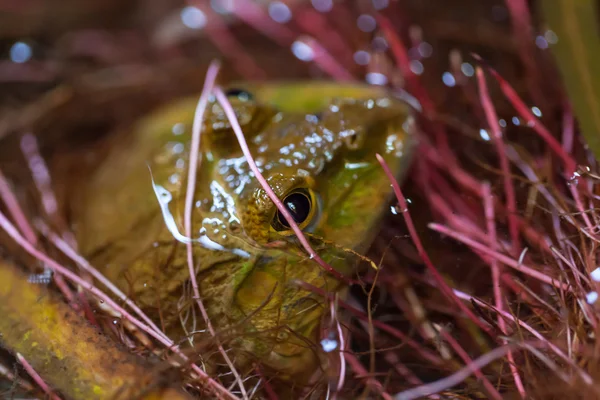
(456, 378)
(195, 160)
(220, 35)
(587, 379)
(492, 119)
(253, 14)
(342, 348)
(37, 378)
(316, 24)
(488, 206)
(421, 250)
(533, 122)
(43, 183)
(265, 185)
(423, 352)
(404, 371)
(12, 204)
(63, 246)
(362, 372)
(468, 360)
(326, 61)
(8, 374)
(10, 229)
(15, 210)
(500, 257)
(267, 385)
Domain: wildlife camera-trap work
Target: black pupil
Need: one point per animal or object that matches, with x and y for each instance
(240, 94)
(298, 205)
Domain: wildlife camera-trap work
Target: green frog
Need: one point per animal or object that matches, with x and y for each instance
(315, 144)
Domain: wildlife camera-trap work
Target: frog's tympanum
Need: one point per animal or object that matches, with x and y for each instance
(315, 144)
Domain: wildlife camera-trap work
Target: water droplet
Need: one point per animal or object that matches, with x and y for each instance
(366, 23)
(536, 111)
(591, 297)
(484, 134)
(448, 79)
(595, 274)
(362, 57)
(397, 209)
(329, 345)
(379, 43)
(516, 121)
(467, 69)
(20, 52)
(416, 67)
(178, 129)
(280, 12)
(541, 42)
(302, 51)
(502, 123)
(425, 49)
(551, 37)
(322, 5)
(193, 17)
(376, 78)
(380, 4)
(222, 6)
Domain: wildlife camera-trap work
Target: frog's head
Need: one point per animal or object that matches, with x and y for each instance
(315, 143)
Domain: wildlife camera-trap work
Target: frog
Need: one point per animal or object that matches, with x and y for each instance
(315, 143)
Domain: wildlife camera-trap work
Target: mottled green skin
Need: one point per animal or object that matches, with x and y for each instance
(122, 230)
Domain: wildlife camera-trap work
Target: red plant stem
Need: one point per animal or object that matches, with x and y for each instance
(468, 360)
(86, 266)
(4, 371)
(501, 257)
(403, 62)
(587, 379)
(492, 119)
(13, 207)
(423, 254)
(362, 372)
(37, 378)
(342, 347)
(267, 385)
(498, 296)
(568, 130)
(457, 377)
(316, 24)
(195, 159)
(253, 14)
(413, 85)
(523, 34)
(15, 210)
(533, 122)
(227, 44)
(10, 229)
(326, 62)
(265, 185)
(423, 352)
(404, 371)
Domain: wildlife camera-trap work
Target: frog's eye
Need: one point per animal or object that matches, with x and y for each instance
(240, 94)
(302, 205)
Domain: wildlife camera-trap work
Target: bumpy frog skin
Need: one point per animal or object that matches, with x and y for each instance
(317, 140)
